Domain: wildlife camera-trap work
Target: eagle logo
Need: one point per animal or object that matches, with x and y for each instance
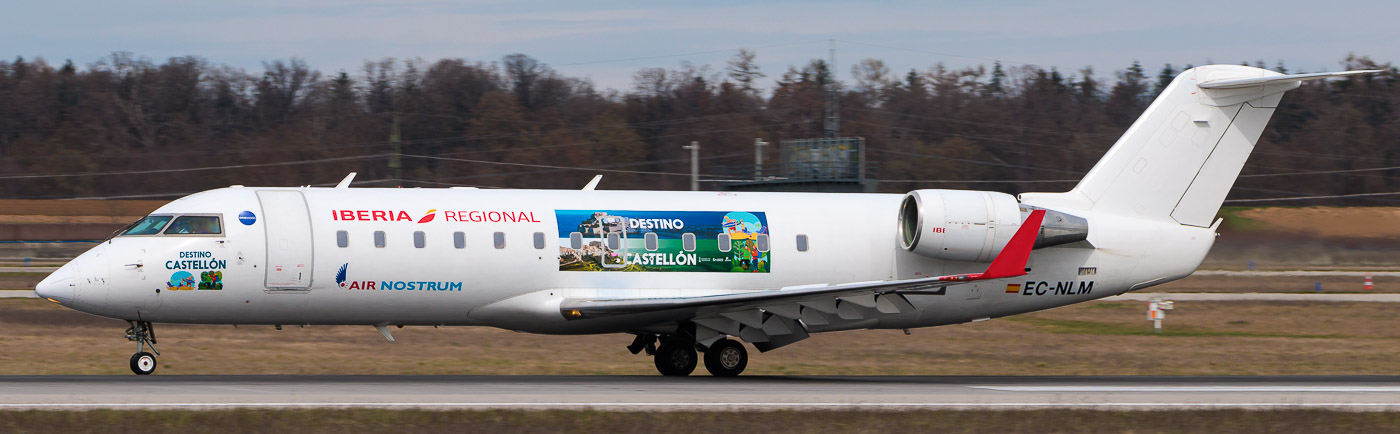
(340, 275)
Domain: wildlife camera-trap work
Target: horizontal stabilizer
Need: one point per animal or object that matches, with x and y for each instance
(1236, 83)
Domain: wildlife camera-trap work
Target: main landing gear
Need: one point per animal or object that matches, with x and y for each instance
(677, 357)
(141, 332)
(726, 358)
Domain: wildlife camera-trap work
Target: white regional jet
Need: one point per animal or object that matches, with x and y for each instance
(687, 271)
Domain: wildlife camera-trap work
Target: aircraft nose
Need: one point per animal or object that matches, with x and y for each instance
(59, 285)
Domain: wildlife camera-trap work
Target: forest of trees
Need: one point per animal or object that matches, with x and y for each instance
(126, 126)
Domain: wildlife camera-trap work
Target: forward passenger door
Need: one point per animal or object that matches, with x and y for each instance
(289, 243)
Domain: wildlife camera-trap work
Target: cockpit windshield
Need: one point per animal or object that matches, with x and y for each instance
(150, 225)
(198, 224)
(195, 225)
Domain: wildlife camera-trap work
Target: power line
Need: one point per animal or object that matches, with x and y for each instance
(195, 169)
(456, 137)
(1334, 196)
(986, 124)
(545, 166)
(989, 181)
(187, 193)
(609, 166)
(975, 161)
(1322, 172)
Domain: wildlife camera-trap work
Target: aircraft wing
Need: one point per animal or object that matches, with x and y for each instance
(769, 319)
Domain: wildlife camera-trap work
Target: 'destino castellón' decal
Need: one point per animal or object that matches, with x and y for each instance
(694, 241)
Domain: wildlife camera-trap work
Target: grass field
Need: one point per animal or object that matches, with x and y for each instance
(1034, 421)
(1283, 284)
(1099, 338)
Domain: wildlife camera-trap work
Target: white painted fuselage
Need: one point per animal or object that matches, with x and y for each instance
(541, 260)
(851, 238)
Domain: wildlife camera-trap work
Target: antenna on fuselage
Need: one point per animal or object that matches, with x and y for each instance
(345, 183)
(593, 184)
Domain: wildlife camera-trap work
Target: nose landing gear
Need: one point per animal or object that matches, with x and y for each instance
(141, 332)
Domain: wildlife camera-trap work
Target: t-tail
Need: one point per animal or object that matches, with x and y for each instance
(1182, 156)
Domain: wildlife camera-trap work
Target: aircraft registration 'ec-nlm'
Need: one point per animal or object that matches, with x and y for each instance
(688, 273)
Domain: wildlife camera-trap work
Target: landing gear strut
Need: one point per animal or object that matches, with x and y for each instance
(141, 332)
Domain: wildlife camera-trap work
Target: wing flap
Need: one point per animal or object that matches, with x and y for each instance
(827, 299)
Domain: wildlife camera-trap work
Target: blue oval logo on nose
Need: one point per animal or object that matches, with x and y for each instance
(247, 218)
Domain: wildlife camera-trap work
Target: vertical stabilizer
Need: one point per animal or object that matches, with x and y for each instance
(1180, 158)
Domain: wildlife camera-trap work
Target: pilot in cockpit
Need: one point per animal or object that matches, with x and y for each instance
(194, 225)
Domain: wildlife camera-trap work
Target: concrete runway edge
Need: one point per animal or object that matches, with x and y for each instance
(655, 393)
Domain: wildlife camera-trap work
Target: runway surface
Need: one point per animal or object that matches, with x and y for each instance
(656, 393)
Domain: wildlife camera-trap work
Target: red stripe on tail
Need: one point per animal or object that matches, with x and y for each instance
(1012, 260)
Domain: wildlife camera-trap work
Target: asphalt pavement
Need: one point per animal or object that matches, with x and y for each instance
(700, 392)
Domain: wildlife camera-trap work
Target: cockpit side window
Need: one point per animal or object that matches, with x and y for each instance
(150, 225)
(195, 225)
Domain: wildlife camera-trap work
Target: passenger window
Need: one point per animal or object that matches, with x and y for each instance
(688, 242)
(724, 244)
(342, 238)
(802, 243)
(539, 240)
(195, 225)
(500, 239)
(419, 239)
(459, 240)
(150, 225)
(576, 240)
(379, 239)
(652, 242)
(614, 241)
(763, 242)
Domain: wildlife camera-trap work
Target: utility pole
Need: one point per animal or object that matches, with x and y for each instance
(694, 148)
(758, 145)
(395, 153)
(833, 98)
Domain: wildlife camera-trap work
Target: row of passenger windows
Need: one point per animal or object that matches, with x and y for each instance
(652, 242)
(614, 241)
(420, 239)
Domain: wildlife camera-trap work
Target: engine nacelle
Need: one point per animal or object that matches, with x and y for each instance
(958, 225)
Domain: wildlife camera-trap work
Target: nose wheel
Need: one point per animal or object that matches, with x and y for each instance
(143, 363)
(141, 332)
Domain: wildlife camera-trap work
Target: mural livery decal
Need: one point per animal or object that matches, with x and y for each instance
(209, 268)
(610, 240)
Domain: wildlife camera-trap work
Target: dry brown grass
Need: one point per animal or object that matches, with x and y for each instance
(1036, 421)
(1328, 222)
(1102, 338)
(1332, 284)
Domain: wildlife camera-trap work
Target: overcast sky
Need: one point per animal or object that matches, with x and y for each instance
(607, 41)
